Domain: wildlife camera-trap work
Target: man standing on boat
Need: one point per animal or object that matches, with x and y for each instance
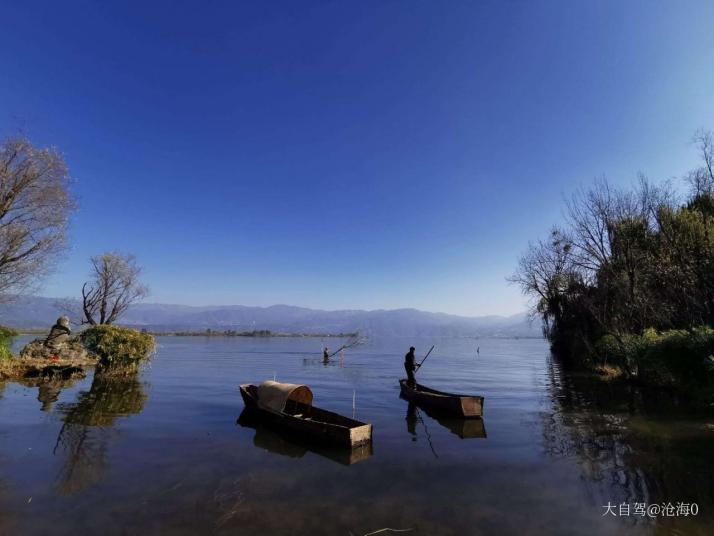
(410, 366)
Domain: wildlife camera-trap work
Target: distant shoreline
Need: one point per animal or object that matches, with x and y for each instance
(271, 334)
(212, 333)
(32, 331)
(257, 333)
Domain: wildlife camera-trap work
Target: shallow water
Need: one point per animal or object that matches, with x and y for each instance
(163, 453)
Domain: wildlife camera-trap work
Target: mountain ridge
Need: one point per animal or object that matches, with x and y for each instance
(27, 312)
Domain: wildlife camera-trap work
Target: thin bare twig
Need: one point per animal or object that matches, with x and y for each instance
(387, 529)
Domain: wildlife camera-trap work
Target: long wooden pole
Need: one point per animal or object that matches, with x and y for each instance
(344, 347)
(422, 361)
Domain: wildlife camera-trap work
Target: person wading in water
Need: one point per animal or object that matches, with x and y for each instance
(410, 366)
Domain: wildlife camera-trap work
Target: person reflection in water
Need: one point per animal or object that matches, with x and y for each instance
(48, 393)
(410, 366)
(411, 419)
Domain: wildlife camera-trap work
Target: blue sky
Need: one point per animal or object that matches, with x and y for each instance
(347, 154)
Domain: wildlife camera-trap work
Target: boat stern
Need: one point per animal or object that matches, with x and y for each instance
(359, 435)
(472, 406)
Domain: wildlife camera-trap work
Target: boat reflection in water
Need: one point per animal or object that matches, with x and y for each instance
(287, 444)
(464, 428)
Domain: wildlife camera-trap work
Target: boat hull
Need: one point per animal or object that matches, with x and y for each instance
(310, 422)
(453, 404)
(282, 442)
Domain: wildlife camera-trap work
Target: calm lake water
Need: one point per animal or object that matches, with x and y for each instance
(164, 453)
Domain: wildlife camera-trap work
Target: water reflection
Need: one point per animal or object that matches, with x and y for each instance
(557, 450)
(284, 444)
(412, 418)
(50, 389)
(321, 362)
(87, 428)
(633, 445)
(464, 428)
(48, 393)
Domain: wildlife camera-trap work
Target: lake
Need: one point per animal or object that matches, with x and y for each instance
(164, 453)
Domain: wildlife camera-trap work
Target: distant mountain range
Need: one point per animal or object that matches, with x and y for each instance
(40, 312)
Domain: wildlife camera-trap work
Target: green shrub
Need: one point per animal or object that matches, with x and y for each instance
(118, 349)
(6, 336)
(674, 356)
(7, 333)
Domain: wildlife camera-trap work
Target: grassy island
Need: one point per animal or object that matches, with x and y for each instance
(116, 350)
(119, 350)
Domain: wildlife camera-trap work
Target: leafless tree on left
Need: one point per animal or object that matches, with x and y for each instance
(35, 206)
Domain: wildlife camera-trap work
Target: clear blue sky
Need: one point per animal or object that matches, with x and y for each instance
(347, 154)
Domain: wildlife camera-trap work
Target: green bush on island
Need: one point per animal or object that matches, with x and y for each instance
(666, 357)
(118, 349)
(6, 336)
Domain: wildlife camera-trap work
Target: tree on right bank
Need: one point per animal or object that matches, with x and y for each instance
(626, 285)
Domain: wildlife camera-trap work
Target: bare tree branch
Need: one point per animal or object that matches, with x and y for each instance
(114, 287)
(35, 205)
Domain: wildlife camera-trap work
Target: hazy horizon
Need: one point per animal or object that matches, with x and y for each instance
(150, 302)
(39, 312)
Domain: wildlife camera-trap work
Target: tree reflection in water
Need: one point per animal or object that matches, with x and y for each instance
(634, 445)
(88, 427)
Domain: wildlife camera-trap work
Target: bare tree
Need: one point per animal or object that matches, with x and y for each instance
(590, 215)
(113, 288)
(35, 205)
(594, 214)
(546, 271)
(702, 178)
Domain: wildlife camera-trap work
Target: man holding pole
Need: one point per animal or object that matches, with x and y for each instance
(410, 366)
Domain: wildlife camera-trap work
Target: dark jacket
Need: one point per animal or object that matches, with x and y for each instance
(410, 361)
(58, 335)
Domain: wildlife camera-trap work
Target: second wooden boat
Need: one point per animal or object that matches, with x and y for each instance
(283, 442)
(461, 405)
(289, 407)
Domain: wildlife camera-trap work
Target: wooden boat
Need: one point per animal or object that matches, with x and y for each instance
(461, 405)
(289, 407)
(285, 443)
